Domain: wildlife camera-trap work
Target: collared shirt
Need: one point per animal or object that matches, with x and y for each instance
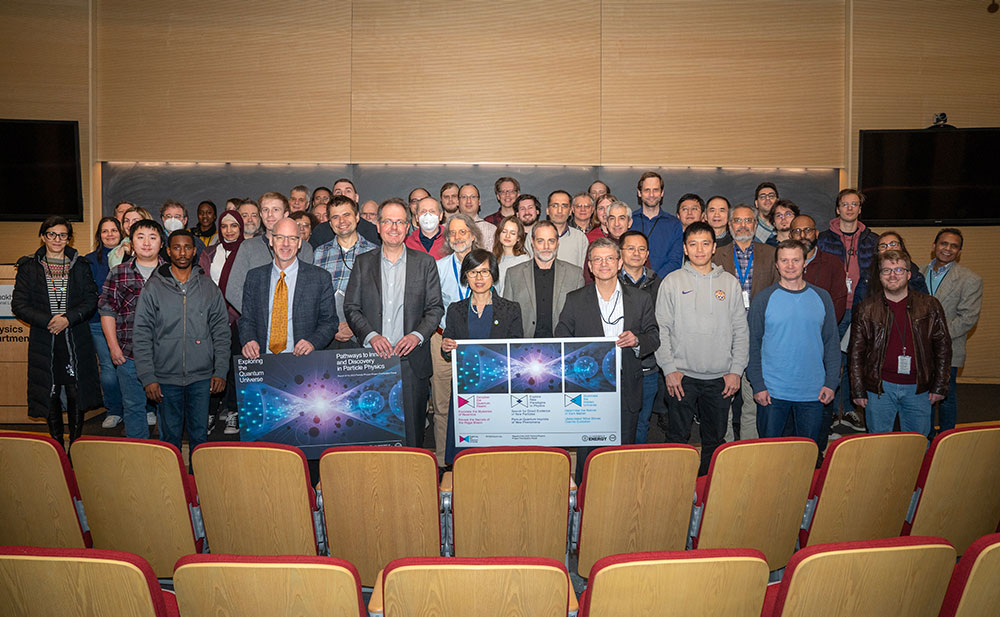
(291, 275)
(393, 288)
(339, 262)
(120, 298)
(449, 271)
(429, 242)
(745, 266)
(612, 312)
(934, 277)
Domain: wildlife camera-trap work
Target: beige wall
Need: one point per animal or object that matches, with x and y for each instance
(618, 82)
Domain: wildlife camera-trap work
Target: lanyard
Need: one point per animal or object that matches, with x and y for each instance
(454, 268)
(740, 273)
(656, 221)
(851, 252)
(902, 335)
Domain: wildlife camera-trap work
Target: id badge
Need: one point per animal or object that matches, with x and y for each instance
(746, 299)
(903, 364)
(849, 283)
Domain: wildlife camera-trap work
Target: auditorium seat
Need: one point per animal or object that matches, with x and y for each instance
(256, 499)
(267, 586)
(957, 494)
(380, 504)
(79, 583)
(633, 499)
(863, 489)
(140, 499)
(974, 590)
(699, 583)
(894, 577)
(39, 499)
(488, 587)
(511, 502)
(754, 496)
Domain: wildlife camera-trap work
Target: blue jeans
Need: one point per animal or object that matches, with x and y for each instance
(134, 403)
(650, 386)
(185, 407)
(109, 376)
(948, 408)
(806, 415)
(914, 409)
(842, 397)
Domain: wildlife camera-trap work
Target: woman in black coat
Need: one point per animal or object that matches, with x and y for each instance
(482, 315)
(55, 294)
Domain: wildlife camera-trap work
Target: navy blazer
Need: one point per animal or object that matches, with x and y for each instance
(422, 305)
(314, 314)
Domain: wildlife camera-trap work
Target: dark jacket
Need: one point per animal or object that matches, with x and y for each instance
(506, 320)
(98, 261)
(650, 283)
(917, 282)
(870, 327)
(764, 272)
(30, 303)
(826, 272)
(314, 315)
(831, 242)
(180, 336)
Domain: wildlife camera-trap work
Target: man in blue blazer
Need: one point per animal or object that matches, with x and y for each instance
(310, 315)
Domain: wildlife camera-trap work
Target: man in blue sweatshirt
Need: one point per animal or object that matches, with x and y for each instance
(794, 348)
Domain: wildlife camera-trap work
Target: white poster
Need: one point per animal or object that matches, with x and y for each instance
(540, 392)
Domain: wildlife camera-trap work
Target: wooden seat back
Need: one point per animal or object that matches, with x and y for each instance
(635, 499)
(974, 590)
(37, 492)
(133, 487)
(255, 498)
(756, 494)
(380, 504)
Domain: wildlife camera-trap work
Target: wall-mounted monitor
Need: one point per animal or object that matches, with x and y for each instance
(935, 176)
(40, 170)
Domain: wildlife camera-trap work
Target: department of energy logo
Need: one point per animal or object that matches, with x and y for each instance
(574, 400)
(720, 294)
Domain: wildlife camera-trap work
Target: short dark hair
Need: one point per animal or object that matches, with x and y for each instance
(502, 179)
(542, 225)
(318, 189)
(398, 201)
(51, 222)
(791, 244)
(558, 192)
(526, 197)
(632, 233)
(211, 204)
(342, 200)
(784, 203)
(729, 206)
(170, 203)
(698, 227)
(446, 186)
(97, 235)
(646, 176)
(302, 214)
(951, 230)
(178, 234)
(347, 180)
(148, 224)
(766, 185)
(845, 192)
(476, 258)
(688, 196)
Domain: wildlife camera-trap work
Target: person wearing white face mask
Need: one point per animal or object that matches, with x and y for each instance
(174, 216)
(428, 237)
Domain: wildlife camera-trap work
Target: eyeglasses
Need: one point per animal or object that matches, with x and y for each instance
(478, 274)
(784, 215)
(888, 245)
(898, 270)
(610, 259)
(389, 223)
(744, 220)
(798, 231)
(636, 249)
(458, 233)
(850, 204)
(507, 192)
(51, 235)
(767, 196)
(280, 238)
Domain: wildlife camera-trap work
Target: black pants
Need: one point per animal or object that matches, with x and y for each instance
(416, 391)
(705, 397)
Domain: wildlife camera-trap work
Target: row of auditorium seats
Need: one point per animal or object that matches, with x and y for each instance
(374, 505)
(911, 576)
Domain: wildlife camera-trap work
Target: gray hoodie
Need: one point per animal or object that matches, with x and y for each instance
(703, 325)
(181, 333)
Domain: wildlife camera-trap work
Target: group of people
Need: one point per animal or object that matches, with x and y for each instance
(747, 318)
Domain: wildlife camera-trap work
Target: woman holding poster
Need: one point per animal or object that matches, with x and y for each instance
(482, 315)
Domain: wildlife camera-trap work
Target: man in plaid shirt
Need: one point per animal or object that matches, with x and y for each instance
(337, 257)
(117, 305)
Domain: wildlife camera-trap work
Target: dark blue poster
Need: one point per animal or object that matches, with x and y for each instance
(327, 398)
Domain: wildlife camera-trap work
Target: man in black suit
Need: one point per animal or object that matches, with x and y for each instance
(605, 308)
(306, 301)
(375, 310)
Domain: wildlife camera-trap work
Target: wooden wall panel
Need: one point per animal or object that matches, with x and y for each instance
(914, 58)
(223, 81)
(477, 81)
(45, 75)
(688, 82)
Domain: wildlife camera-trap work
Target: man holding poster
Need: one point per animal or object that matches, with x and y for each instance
(297, 296)
(605, 308)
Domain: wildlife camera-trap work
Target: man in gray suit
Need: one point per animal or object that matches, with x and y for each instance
(310, 319)
(540, 285)
(256, 251)
(960, 292)
(377, 314)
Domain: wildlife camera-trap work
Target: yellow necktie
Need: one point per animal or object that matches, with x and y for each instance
(279, 317)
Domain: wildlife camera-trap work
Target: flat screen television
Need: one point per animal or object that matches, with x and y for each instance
(40, 170)
(935, 176)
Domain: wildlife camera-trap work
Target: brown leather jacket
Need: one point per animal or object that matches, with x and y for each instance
(870, 323)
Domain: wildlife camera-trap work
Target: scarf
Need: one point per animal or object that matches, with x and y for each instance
(229, 246)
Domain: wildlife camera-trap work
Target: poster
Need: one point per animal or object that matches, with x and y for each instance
(542, 392)
(327, 398)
